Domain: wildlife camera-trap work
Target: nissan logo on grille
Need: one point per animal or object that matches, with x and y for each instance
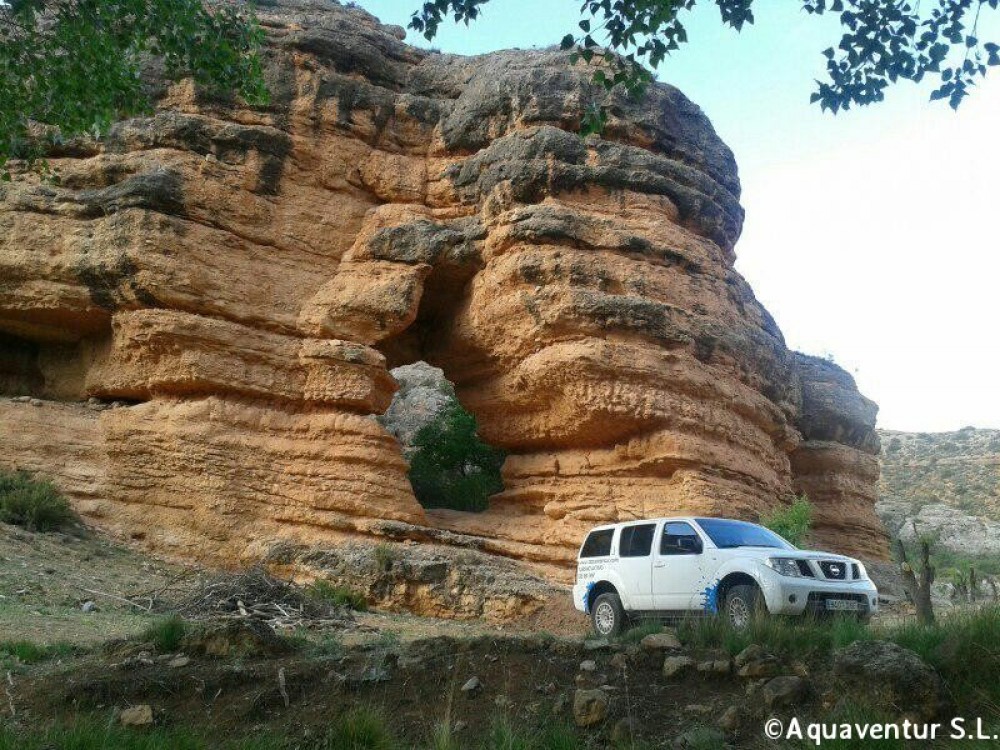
(833, 569)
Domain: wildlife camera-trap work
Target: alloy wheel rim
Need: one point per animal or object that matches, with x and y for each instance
(739, 613)
(604, 616)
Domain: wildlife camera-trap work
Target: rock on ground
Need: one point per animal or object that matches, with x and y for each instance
(893, 678)
(590, 707)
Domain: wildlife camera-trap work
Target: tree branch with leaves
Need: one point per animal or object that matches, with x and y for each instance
(73, 67)
(882, 42)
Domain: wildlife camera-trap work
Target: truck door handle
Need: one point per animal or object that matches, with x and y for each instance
(660, 565)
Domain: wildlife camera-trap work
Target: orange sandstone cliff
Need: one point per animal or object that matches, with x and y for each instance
(197, 323)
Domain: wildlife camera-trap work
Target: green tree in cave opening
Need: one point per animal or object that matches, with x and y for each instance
(450, 467)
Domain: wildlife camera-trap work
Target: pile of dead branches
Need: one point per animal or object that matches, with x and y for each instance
(256, 595)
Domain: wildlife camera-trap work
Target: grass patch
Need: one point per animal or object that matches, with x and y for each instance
(26, 652)
(165, 634)
(503, 735)
(91, 734)
(32, 653)
(640, 631)
(359, 729)
(965, 648)
(798, 639)
(443, 739)
(341, 596)
(33, 504)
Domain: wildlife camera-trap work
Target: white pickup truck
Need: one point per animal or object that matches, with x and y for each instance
(673, 567)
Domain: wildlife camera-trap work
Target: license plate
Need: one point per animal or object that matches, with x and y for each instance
(843, 605)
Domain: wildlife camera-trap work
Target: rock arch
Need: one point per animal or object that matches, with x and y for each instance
(240, 282)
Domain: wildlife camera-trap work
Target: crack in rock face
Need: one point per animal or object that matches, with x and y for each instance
(240, 283)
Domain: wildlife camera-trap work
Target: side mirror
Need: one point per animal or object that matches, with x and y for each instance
(690, 544)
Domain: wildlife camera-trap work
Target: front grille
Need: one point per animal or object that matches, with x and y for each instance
(835, 571)
(804, 569)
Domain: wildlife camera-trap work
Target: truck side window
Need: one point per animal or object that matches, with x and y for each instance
(679, 539)
(598, 544)
(636, 541)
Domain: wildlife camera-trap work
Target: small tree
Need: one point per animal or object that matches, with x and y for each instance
(450, 466)
(918, 582)
(792, 522)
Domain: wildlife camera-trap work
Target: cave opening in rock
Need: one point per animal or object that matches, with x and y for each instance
(450, 465)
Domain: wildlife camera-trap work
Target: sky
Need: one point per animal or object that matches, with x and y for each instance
(873, 236)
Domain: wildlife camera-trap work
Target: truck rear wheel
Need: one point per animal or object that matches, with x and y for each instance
(607, 615)
(743, 605)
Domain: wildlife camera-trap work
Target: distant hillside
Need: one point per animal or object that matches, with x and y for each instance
(949, 482)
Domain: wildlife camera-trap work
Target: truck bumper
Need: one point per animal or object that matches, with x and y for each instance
(786, 595)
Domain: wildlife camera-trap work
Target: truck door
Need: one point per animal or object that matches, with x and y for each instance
(677, 566)
(635, 563)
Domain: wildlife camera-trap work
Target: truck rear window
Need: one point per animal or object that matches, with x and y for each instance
(636, 541)
(598, 543)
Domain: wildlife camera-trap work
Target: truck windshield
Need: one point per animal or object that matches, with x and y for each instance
(726, 534)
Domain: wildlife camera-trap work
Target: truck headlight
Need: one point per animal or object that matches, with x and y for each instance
(862, 573)
(786, 566)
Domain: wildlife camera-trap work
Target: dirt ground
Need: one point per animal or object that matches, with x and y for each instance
(46, 579)
(412, 668)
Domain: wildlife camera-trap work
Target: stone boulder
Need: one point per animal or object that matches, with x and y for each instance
(590, 707)
(891, 677)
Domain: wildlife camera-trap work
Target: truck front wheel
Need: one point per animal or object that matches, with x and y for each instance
(743, 604)
(608, 615)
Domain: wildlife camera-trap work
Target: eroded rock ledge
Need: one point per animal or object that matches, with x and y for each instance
(239, 282)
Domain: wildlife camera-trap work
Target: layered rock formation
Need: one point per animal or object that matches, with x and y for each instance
(239, 282)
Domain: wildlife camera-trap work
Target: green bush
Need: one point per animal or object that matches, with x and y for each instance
(341, 596)
(791, 522)
(32, 503)
(450, 466)
(166, 634)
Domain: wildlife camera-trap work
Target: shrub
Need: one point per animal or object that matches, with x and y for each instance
(385, 556)
(32, 503)
(342, 596)
(450, 466)
(166, 634)
(791, 522)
